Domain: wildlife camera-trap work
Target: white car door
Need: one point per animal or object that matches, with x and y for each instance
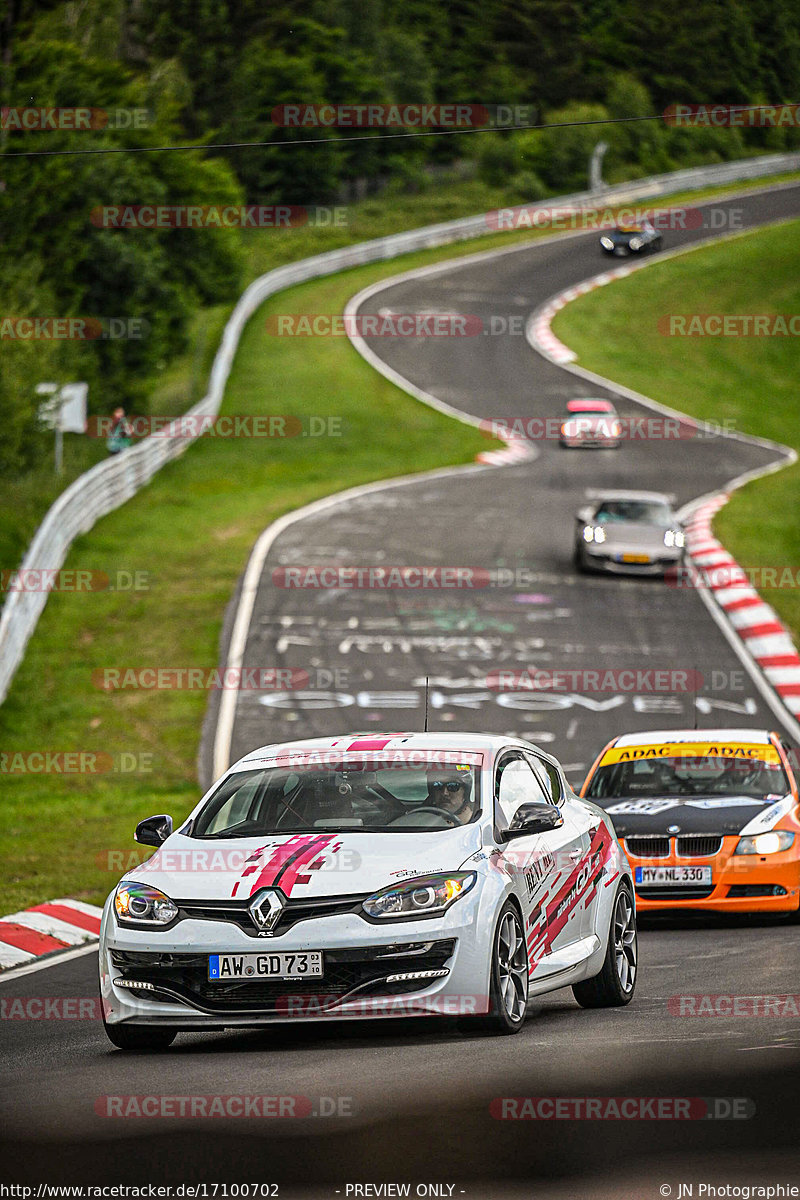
(541, 864)
(592, 842)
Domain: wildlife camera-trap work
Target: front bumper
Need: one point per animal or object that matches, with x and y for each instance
(601, 559)
(746, 883)
(360, 957)
(588, 442)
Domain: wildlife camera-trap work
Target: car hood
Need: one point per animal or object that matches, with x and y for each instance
(633, 535)
(302, 865)
(720, 815)
(590, 423)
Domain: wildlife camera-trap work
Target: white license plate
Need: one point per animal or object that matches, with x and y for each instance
(226, 968)
(673, 876)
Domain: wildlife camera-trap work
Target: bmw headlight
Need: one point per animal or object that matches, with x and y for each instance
(636, 243)
(765, 843)
(674, 537)
(140, 903)
(606, 243)
(425, 896)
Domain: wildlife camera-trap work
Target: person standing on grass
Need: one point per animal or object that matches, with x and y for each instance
(120, 436)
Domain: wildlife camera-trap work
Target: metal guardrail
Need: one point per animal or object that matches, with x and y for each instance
(109, 484)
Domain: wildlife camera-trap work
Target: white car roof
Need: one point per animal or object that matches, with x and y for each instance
(652, 737)
(484, 743)
(628, 494)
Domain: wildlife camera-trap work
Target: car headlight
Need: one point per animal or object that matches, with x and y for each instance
(616, 429)
(674, 537)
(636, 243)
(425, 896)
(765, 843)
(606, 243)
(140, 903)
(594, 533)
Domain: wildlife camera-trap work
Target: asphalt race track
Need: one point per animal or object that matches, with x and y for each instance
(411, 1099)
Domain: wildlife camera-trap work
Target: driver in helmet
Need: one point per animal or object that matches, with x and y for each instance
(450, 791)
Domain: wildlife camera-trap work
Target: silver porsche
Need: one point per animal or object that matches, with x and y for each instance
(628, 532)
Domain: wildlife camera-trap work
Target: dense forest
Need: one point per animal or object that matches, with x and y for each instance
(213, 71)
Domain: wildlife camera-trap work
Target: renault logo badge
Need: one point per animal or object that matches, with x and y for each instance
(265, 909)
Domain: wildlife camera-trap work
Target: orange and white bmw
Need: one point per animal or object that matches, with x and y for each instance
(709, 818)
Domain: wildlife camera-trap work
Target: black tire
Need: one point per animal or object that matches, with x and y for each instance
(506, 1013)
(579, 561)
(140, 1037)
(614, 986)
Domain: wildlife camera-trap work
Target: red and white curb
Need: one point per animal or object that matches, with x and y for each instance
(755, 622)
(45, 929)
(516, 450)
(541, 336)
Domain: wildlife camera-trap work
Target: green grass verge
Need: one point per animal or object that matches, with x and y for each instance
(749, 381)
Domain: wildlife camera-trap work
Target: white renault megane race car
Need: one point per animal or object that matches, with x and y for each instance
(367, 876)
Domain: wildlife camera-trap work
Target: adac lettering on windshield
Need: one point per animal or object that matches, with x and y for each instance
(698, 750)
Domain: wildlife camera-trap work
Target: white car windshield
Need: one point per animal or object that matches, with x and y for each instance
(684, 776)
(341, 796)
(648, 511)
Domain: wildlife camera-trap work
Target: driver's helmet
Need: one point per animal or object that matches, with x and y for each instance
(450, 790)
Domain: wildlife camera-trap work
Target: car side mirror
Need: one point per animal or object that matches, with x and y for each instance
(153, 831)
(535, 817)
